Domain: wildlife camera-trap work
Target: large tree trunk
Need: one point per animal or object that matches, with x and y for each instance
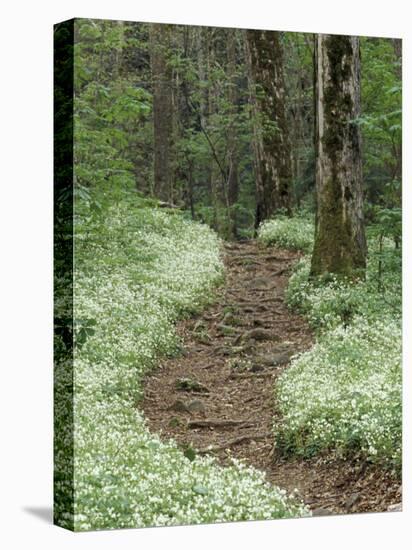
(232, 145)
(162, 110)
(340, 245)
(273, 167)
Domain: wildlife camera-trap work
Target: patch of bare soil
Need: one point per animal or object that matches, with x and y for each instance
(218, 396)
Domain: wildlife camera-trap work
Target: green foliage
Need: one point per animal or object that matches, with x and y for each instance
(328, 304)
(332, 301)
(138, 269)
(295, 233)
(112, 109)
(345, 394)
(388, 223)
(84, 329)
(381, 119)
(114, 122)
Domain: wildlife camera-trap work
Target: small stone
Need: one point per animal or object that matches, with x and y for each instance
(352, 500)
(279, 359)
(196, 406)
(179, 406)
(190, 384)
(261, 283)
(322, 512)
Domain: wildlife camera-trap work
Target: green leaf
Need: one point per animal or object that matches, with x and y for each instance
(200, 489)
(190, 454)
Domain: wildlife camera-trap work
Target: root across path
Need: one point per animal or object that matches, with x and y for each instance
(217, 396)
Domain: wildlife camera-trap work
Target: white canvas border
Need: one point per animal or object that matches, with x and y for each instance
(26, 272)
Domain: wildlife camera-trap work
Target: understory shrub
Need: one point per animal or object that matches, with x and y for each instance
(345, 393)
(137, 271)
(332, 302)
(293, 233)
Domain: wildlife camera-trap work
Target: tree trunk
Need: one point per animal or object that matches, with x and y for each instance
(233, 160)
(397, 147)
(397, 47)
(340, 244)
(162, 110)
(186, 115)
(273, 166)
(207, 109)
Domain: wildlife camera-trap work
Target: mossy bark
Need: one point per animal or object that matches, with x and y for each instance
(340, 244)
(272, 152)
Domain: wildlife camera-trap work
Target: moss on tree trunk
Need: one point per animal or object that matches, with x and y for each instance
(340, 245)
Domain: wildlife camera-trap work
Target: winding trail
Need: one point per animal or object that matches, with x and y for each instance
(218, 396)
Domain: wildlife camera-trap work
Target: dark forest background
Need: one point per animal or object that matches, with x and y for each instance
(206, 119)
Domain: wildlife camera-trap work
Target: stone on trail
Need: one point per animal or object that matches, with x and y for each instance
(194, 406)
(261, 283)
(317, 512)
(352, 500)
(191, 384)
(179, 406)
(276, 359)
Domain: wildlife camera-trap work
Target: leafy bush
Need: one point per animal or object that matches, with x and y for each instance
(345, 394)
(334, 301)
(136, 273)
(293, 233)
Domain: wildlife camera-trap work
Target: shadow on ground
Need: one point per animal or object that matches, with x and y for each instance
(45, 513)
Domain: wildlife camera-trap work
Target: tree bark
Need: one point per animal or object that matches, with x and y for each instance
(397, 47)
(273, 166)
(340, 244)
(233, 160)
(162, 110)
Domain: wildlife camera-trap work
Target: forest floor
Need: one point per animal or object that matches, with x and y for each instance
(217, 397)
